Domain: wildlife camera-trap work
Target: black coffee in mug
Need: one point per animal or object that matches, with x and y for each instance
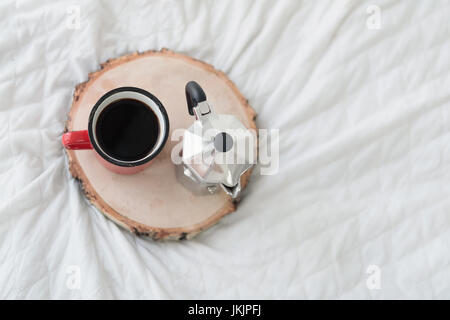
(127, 129)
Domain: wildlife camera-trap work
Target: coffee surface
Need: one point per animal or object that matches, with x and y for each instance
(127, 130)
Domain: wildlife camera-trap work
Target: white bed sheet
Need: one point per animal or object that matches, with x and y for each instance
(364, 174)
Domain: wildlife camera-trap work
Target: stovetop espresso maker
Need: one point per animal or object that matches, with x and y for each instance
(217, 148)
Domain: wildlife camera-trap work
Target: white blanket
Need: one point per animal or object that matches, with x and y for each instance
(360, 207)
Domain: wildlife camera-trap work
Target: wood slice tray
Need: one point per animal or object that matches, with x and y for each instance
(153, 203)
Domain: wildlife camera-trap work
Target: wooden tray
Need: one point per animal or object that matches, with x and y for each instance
(153, 202)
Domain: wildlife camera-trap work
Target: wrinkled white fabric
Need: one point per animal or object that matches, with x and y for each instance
(360, 205)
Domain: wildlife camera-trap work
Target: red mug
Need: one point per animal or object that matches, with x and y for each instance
(122, 132)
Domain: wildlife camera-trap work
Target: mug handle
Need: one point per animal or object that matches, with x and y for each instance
(76, 140)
